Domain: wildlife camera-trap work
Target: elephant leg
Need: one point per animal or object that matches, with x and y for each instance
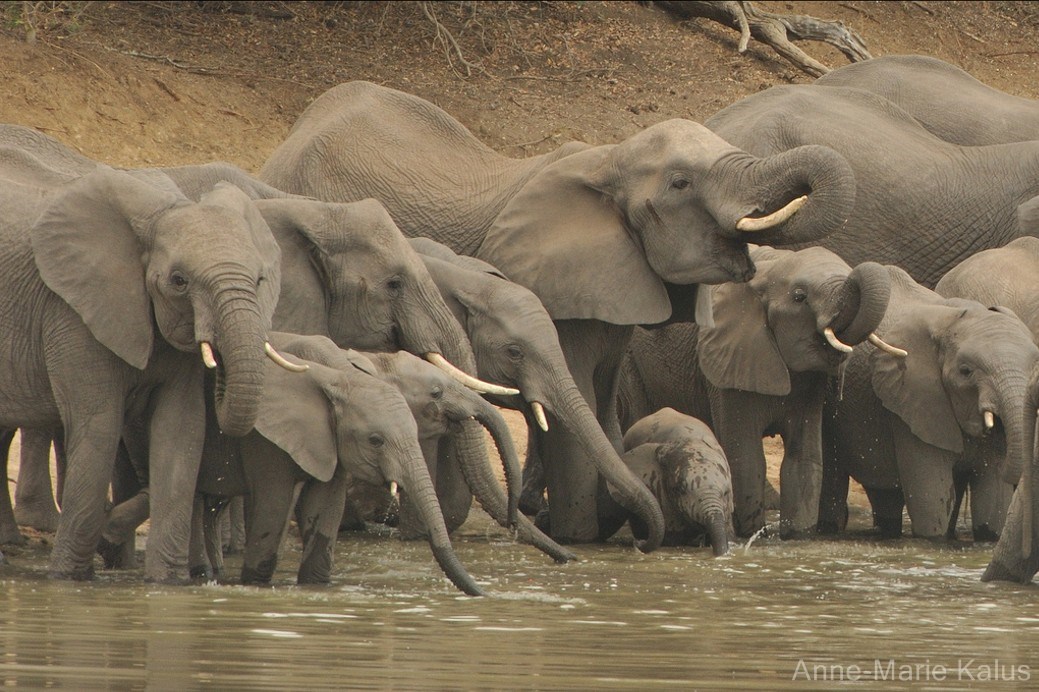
(234, 542)
(213, 509)
(740, 437)
(321, 508)
(801, 473)
(9, 533)
(198, 559)
(927, 482)
(34, 497)
(273, 493)
(131, 504)
(960, 483)
(990, 499)
(887, 504)
(833, 501)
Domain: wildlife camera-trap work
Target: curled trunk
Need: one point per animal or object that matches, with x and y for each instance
(772, 183)
(420, 490)
(863, 300)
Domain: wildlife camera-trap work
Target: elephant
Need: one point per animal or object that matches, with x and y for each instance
(963, 199)
(112, 288)
(1007, 276)
(313, 429)
(439, 405)
(763, 369)
(954, 413)
(681, 461)
(945, 99)
(606, 236)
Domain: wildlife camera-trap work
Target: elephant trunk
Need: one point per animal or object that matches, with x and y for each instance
(1018, 402)
(718, 533)
(429, 327)
(862, 302)
(239, 376)
(419, 487)
(574, 413)
(489, 417)
(774, 183)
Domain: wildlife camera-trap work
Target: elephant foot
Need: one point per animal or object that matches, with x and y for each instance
(110, 552)
(203, 574)
(41, 516)
(770, 497)
(786, 534)
(79, 574)
(827, 527)
(984, 534)
(12, 536)
(532, 501)
(997, 571)
(888, 528)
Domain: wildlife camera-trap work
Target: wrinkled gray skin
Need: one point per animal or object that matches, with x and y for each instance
(607, 237)
(911, 430)
(1008, 276)
(313, 429)
(682, 463)
(348, 273)
(440, 405)
(184, 271)
(962, 199)
(515, 344)
(946, 100)
(763, 369)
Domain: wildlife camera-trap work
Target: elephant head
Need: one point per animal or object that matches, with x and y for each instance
(672, 205)
(350, 274)
(516, 345)
(968, 374)
(206, 274)
(802, 312)
(346, 415)
(680, 460)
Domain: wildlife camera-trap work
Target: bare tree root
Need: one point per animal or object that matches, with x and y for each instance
(775, 30)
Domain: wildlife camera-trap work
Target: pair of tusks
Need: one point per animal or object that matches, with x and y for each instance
(485, 387)
(210, 360)
(832, 339)
(749, 224)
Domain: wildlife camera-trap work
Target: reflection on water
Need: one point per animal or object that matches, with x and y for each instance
(790, 615)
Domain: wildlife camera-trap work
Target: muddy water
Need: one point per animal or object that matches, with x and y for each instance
(772, 616)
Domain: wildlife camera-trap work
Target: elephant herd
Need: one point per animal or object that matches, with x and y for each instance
(850, 264)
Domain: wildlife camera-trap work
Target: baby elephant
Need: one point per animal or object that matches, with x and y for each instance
(679, 459)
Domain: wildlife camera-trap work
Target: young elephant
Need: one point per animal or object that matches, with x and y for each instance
(440, 406)
(680, 460)
(958, 411)
(336, 418)
(762, 369)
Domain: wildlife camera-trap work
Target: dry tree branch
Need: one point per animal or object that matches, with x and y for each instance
(777, 30)
(448, 41)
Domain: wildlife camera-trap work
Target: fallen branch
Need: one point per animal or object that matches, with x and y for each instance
(446, 38)
(775, 30)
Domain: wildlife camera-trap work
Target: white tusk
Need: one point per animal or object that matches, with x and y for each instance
(467, 379)
(207, 355)
(539, 415)
(280, 359)
(990, 420)
(832, 339)
(884, 346)
(393, 491)
(761, 223)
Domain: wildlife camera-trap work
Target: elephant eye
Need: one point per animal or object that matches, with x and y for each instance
(514, 351)
(375, 440)
(679, 183)
(178, 280)
(966, 370)
(437, 393)
(800, 295)
(395, 284)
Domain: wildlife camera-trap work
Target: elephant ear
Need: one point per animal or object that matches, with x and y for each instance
(427, 247)
(88, 244)
(1028, 217)
(911, 387)
(558, 226)
(296, 415)
(230, 196)
(740, 351)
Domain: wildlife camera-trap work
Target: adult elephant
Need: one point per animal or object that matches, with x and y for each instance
(961, 200)
(957, 412)
(945, 99)
(1008, 276)
(606, 236)
(187, 277)
(314, 429)
(762, 369)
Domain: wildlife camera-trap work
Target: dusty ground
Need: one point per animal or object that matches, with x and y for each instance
(157, 83)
